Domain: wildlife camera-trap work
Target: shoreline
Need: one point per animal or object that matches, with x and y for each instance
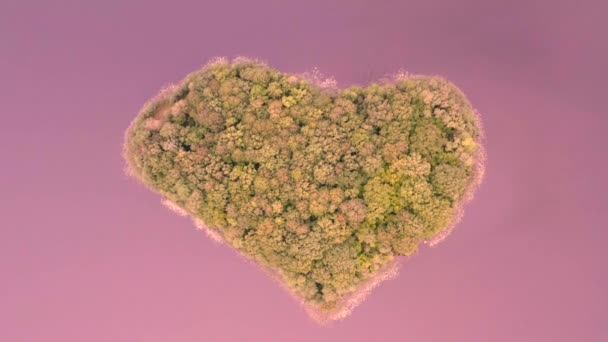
(390, 270)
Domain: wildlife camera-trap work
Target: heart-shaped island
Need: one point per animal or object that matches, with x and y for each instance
(322, 187)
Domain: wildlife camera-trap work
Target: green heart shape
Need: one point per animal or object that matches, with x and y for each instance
(322, 187)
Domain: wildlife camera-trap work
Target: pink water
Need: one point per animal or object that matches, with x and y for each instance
(87, 254)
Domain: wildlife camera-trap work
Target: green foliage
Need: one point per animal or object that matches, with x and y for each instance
(324, 187)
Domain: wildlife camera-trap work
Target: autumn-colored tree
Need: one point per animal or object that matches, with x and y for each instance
(323, 186)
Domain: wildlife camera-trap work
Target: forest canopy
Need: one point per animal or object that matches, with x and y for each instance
(323, 186)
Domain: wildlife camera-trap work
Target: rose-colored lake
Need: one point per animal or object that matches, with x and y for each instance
(88, 254)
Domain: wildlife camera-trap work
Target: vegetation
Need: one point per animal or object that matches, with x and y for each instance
(324, 186)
